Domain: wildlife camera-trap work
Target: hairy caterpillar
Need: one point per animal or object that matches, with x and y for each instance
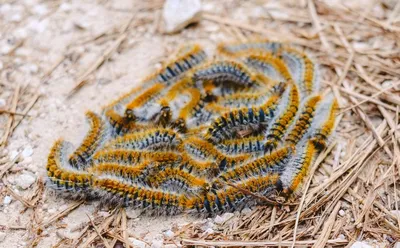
(278, 126)
(92, 141)
(252, 144)
(63, 177)
(234, 49)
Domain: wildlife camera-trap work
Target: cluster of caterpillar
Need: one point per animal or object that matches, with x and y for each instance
(199, 132)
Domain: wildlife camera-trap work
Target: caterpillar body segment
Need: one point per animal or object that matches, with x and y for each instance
(302, 124)
(288, 110)
(173, 70)
(274, 162)
(237, 49)
(303, 69)
(94, 139)
(151, 139)
(252, 144)
(233, 198)
(298, 167)
(64, 178)
(324, 125)
(270, 65)
(229, 124)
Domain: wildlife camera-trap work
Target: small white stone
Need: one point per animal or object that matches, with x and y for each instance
(341, 236)
(25, 180)
(169, 233)
(209, 231)
(219, 220)
(51, 210)
(157, 243)
(65, 7)
(359, 244)
(397, 245)
(27, 152)
(180, 13)
(7, 200)
(40, 9)
(342, 213)
(2, 236)
(2, 101)
(246, 211)
(137, 243)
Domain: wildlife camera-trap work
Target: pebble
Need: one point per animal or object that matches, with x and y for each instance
(137, 243)
(222, 219)
(209, 231)
(178, 14)
(169, 233)
(25, 180)
(157, 243)
(2, 101)
(359, 244)
(27, 152)
(342, 213)
(246, 211)
(7, 200)
(397, 245)
(2, 236)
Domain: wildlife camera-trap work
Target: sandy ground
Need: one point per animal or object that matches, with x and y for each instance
(38, 35)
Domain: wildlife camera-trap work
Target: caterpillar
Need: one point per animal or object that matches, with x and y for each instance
(303, 122)
(229, 123)
(297, 168)
(235, 49)
(175, 179)
(188, 110)
(303, 69)
(115, 192)
(204, 150)
(321, 134)
(92, 141)
(188, 58)
(225, 71)
(233, 198)
(129, 172)
(252, 144)
(153, 139)
(130, 157)
(64, 178)
(279, 124)
(132, 112)
(270, 162)
(121, 125)
(269, 65)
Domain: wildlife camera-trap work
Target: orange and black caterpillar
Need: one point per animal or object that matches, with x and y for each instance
(279, 125)
(63, 177)
(150, 139)
(202, 134)
(98, 130)
(228, 124)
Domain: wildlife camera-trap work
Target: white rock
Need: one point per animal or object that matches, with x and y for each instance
(2, 236)
(40, 9)
(25, 180)
(27, 152)
(246, 211)
(7, 200)
(178, 14)
(137, 243)
(397, 245)
(65, 7)
(341, 212)
(2, 101)
(209, 231)
(157, 243)
(169, 233)
(359, 244)
(218, 220)
(227, 216)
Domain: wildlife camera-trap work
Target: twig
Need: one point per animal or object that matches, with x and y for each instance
(11, 117)
(98, 232)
